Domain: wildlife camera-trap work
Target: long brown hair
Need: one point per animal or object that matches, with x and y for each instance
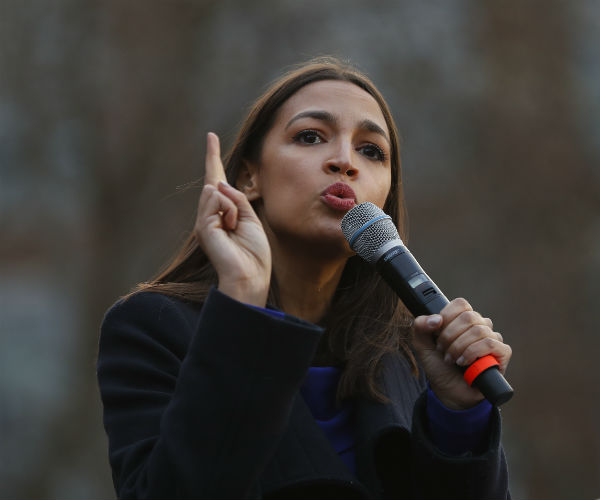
(366, 320)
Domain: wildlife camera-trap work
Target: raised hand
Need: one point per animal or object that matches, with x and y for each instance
(230, 233)
(457, 336)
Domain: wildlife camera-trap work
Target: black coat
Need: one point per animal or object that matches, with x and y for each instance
(203, 402)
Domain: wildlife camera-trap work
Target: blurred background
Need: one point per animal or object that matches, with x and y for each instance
(104, 106)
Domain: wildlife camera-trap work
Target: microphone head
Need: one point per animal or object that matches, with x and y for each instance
(367, 229)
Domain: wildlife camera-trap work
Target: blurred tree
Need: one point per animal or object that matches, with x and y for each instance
(543, 220)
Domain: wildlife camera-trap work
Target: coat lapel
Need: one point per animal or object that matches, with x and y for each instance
(383, 429)
(305, 459)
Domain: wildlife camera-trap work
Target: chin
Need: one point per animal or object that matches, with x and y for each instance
(331, 244)
(319, 235)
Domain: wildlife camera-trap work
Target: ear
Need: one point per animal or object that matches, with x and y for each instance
(248, 181)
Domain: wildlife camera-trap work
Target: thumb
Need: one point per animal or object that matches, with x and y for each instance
(428, 324)
(424, 329)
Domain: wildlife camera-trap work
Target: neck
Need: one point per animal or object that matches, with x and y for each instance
(306, 284)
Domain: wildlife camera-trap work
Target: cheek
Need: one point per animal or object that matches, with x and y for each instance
(283, 198)
(381, 187)
(286, 180)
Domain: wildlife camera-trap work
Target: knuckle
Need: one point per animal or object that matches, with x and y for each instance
(469, 352)
(481, 331)
(490, 343)
(204, 194)
(207, 189)
(463, 303)
(470, 317)
(238, 196)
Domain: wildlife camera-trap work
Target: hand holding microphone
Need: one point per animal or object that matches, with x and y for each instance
(463, 336)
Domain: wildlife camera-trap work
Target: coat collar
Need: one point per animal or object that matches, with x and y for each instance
(383, 429)
(305, 461)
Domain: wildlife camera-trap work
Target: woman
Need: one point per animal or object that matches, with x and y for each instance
(209, 392)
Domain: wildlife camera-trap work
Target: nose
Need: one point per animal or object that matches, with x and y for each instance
(341, 162)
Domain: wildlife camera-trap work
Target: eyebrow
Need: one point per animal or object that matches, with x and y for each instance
(326, 116)
(373, 127)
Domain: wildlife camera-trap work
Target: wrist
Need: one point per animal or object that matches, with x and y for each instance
(456, 432)
(246, 291)
(451, 403)
(457, 400)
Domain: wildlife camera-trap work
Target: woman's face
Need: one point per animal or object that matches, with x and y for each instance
(328, 150)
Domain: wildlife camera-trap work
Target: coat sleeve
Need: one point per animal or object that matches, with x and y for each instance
(468, 476)
(195, 403)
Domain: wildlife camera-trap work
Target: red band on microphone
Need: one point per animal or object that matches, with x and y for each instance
(478, 366)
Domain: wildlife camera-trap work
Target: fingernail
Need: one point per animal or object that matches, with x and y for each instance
(434, 320)
(225, 183)
(448, 358)
(460, 360)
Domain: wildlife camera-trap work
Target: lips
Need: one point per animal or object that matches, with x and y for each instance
(339, 196)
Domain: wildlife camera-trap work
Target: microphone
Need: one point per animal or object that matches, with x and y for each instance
(372, 234)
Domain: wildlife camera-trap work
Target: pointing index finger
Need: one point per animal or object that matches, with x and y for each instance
(214, 167)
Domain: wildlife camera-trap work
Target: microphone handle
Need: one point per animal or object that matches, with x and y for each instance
(422, 297)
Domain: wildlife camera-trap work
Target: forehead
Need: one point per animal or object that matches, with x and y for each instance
(343, 99)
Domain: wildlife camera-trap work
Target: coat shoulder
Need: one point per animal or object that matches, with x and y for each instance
(150, 318)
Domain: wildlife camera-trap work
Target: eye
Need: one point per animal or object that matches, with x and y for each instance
(373, 152)
(308, 137)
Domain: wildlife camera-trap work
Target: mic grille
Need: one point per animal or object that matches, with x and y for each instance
(367, 228)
